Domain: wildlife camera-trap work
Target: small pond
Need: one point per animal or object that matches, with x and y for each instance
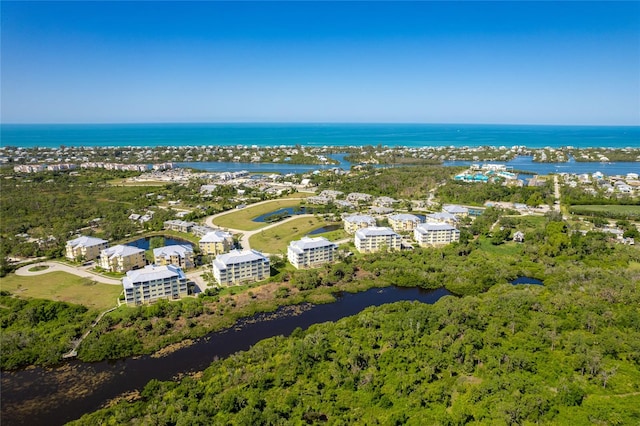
(279, 214)
(527, 280)
(143, 243)
(324, 229)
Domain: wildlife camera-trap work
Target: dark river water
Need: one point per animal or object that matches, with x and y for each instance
(40, 396)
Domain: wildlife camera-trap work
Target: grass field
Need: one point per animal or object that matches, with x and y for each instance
(276, 239)
(508, 248)
(241, 219)
(63, 287)
(613, 211)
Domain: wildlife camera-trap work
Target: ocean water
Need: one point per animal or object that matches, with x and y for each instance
(331, 134)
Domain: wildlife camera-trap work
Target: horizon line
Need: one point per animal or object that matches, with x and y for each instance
(106, 123)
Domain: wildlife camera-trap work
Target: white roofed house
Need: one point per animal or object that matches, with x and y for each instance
(368, 240)
(311, 252)
(237, 267)
(435, 234)
(180, 255)
(122, 258)
(358, 221)
(85, 248)
(403, 222)
(216, 242)
(154, 282)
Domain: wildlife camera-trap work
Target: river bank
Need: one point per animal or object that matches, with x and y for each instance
(39, 396)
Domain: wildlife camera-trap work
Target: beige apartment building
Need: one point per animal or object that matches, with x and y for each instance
(311, 252)
(180, 255)
(121, 258)
(154, 282)
(435, 234)
(358, 221)
(404, 222)
(368, 240)
(85, 248)
(216, 242)
(237, 267)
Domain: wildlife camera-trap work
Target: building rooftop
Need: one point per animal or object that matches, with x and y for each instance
(307, 243)
(453, 208)
(374, 231)
(431, 226)
(357, 218)
(151, 273)
(174, 250)
(215, 237)
(405, 216)
(86, 241)
(121, 250)
(236, 256)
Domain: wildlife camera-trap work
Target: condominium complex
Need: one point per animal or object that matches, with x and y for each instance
(443, 217)
(455, 209)
(238, 266)
(404, 222)
(154, 282)
(373, 239)
(216, 242)
(311, 252)
(122, 258)
(358, 221)
(85, 248)
(180, 255)
(435, 234)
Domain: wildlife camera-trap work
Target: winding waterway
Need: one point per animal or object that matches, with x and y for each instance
(39, 396)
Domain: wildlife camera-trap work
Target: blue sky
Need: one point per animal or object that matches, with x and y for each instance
(427, 62)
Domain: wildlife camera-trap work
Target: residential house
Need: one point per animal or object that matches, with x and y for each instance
(216, 242)
(311, 252)
(122, 258)
(435, 234)
(368, 240)
(237, 267)
(180, 255)
(154, 282)
(85, 248)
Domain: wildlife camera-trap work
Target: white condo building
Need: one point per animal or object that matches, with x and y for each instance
(368, 240)
(238, 266)
(85, 248)
(435, 234)
(154, 282)
(311, 252)
(122, 258)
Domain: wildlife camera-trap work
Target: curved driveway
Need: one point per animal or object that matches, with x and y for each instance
(75, 270)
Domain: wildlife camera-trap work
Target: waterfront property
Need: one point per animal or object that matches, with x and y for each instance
(311, 252)
(121, 258)
(154, 282)
(435, 234)
(216, 242)
(404, 222)
(85, 248)
(237, 267)
(358, 221)
(368, 240)
(180, 255)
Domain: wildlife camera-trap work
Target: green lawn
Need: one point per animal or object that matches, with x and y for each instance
(508, 248)
(276, 239)
(241, 219)
(63, 287)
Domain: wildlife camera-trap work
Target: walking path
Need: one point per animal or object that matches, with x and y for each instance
(75, 270)
(74, 351)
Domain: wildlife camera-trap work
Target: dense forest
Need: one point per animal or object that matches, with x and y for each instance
(564, 353)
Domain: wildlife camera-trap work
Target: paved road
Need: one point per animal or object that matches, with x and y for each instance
(75, 270)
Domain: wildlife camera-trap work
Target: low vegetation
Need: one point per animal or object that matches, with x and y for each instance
(243, 218)
(276, 239)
